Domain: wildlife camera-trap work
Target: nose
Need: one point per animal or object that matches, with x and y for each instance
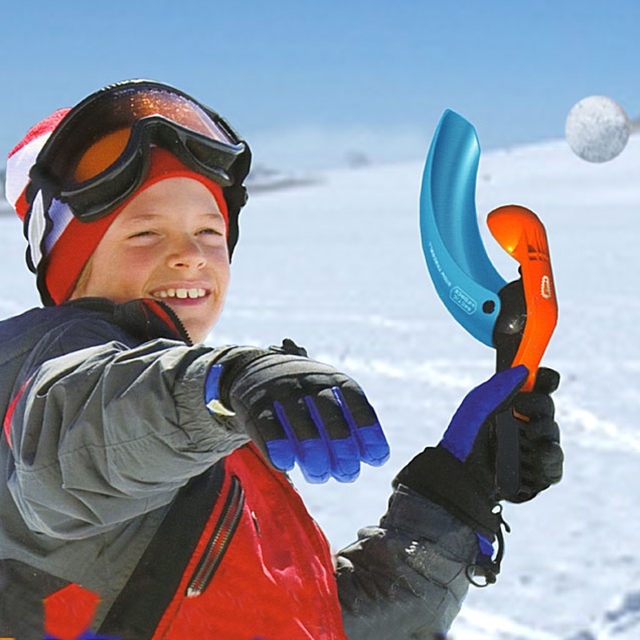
(186, 253)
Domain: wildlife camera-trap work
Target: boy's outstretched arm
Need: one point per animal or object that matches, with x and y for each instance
(407, 577)
(128, 425)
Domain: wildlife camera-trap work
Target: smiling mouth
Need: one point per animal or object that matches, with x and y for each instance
(180, 294)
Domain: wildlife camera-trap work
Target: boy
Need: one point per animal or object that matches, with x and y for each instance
(147, 468)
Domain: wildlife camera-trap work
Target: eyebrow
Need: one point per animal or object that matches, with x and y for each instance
(150, 217)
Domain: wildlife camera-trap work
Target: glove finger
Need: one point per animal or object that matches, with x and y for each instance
(549, 459)
(344, 457)
(547, 380)
(478, 406)
(541, 466)
(309, 448)
(538, 430)
(535, 406)
(269, 433)
(327, 415)
(363, 424)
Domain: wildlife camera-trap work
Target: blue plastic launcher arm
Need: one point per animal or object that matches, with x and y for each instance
(464, 277)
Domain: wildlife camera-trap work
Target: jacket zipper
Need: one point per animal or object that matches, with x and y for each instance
(219, 540)
(179, 326)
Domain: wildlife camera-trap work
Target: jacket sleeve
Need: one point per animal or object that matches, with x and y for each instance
(406, 578)
(105, 433)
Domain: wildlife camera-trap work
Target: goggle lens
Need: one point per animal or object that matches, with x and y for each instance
(130, 105)
(99, 145)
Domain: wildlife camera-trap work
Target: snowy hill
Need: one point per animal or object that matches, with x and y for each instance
(337, 266)
(4, 205)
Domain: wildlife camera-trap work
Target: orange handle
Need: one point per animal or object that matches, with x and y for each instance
(520, 232)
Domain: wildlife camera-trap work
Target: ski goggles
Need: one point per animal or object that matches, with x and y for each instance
(98, 155)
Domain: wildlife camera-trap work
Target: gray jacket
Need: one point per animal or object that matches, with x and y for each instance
(92, 391)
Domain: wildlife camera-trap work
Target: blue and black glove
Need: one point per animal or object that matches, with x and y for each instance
(461, 472)
(297, 410)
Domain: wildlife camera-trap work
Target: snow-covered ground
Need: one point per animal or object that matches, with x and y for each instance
(337, 266)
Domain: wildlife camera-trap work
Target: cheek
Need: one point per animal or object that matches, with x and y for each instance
(225, 272)
(121, 277)
(219, 261)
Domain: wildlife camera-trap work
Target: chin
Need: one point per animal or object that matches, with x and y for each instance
(197, 337)
(198, 326)
(198, 331)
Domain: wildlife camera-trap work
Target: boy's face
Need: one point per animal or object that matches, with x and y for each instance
(168, 243)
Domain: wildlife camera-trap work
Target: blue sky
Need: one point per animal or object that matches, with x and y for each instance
(308, 82)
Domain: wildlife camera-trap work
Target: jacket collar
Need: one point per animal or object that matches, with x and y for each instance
(144, 318)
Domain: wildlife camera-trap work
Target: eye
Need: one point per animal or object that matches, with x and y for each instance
(211, 231)
(146, 235)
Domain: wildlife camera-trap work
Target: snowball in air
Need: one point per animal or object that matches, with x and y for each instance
(597, 129)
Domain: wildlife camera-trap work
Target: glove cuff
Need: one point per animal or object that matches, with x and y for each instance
(439, 476)
(233, 360)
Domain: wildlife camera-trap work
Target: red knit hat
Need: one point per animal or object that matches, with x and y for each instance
(59, 244)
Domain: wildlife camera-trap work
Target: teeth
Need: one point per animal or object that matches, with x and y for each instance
(180, 293)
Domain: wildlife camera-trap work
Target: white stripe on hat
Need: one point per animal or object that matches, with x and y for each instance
(36, 228)
(60, 215)
(18, 166)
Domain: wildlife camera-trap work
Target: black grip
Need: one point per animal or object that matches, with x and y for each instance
(507, 335)
(508, 455)
(509, 327)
